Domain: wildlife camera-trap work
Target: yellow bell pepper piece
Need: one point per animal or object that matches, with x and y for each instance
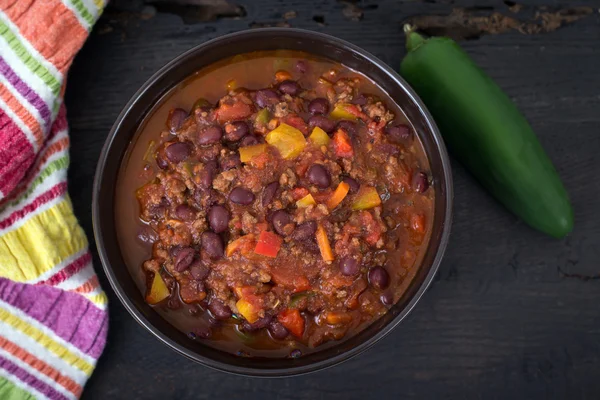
(341, 112)
(158, 290)
(247, 153)
(306, 201)
(319, 137)
(367, 197)
(288, 140)
(248, 311)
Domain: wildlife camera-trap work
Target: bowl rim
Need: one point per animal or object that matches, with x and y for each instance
(292, 370)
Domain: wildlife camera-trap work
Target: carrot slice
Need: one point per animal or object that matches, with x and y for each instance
(338, 195)
(324, 246)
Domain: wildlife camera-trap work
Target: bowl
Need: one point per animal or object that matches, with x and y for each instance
(175, 72)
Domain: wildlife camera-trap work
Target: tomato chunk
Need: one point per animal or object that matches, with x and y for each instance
(233, 111)
(268, 244)
(293, 321)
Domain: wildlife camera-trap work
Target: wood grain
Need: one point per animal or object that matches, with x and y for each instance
(509, 315)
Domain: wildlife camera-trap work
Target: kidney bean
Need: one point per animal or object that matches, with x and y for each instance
(218, 218)
(352, 183)
(242, 196)
(230, 161)
(212, 244)
(199, 271)
(301, 66)
(207, 174)
(387, 299)
(349, 266)
(210, 135)
(184, 258)
(175, 119)
(185, 212)
(266, 97)
(360, 100)
(379, 278)
(318, 106)
(289, 87)
(277, 330)
(249, 140)
(256, 325)
(236, 130)
(147, 235)
(161, 162)
(420, 183)
(219, 310)
(304, 231)
(202, 332)
(178, 152)
(296, 353)
(282, 223)
(322, 122)
(319, 176)
(269, 193)
(348, 126)
(399, 133)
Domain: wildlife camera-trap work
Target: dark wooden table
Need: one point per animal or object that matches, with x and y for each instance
(512, 313)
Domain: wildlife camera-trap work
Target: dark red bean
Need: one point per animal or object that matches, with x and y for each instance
(249, 140)
(349, 266)
(379, 278)
(318, 106)
(178, 152)
(210, 135)
(360, 100)
(387, 299)
(234, 131)
(301, 66)
(219, 310)
(266, 97)
(322, 122)
(256, 325)
(289, 87)
(218, 218)
(305, 231)
(230, 161)
(208, 174)
(348, 126)
(352, 183)
(175, 119)
(185, 212)
(295, 353)
(212, 244)
(242, 196)
(161, 162)
(399, 133)
(282, 223)
(269, 193)
(147, 235)
(202, 332)
(199, 271)
(278, 331)
(420, 182)
(319, 176)
(184, 259)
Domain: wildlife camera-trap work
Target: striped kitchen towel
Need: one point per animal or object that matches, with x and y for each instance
(53, 316)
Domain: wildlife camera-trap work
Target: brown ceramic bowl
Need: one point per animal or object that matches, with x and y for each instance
(179, 69)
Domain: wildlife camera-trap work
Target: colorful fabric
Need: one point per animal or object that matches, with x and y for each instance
(53, 316)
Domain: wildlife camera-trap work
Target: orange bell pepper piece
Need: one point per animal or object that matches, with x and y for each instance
(293, 321)
(342, 146)
(324, 245)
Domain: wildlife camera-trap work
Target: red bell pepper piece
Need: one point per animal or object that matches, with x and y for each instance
(268, 244)
(293, 321)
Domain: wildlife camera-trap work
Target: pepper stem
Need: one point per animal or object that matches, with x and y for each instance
(413, 39)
